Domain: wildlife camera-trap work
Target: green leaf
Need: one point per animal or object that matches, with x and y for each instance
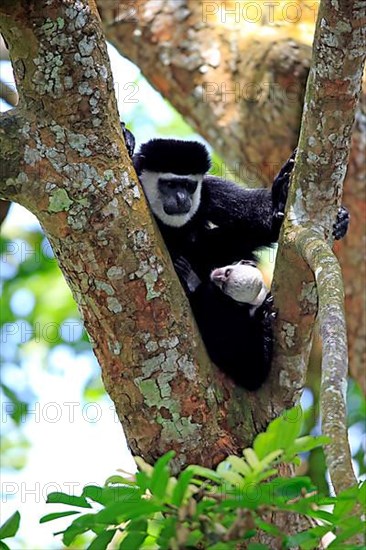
(239, 465)
(138, 525)
(194, 538)
(3, 546)
(180, 490)
(251, 458)
(201, 471)
(79, 526)
(289, 488)
(143, 480)
(108, 495)
(343, 506)
(10, 527)
(56, 515)
(271, 457)
(20, 408)
(136, 534)
(132, 541)
(350, 526)
(160, 476)
(266, 474)
(307, 539)
(120, 480)
(267, 527)
(361, 497)
(307, 443)
(280, 434)
(264, 444)
(167, 532)
(63, 498)
(233, 478)
(102, 540)
(289, 428)
(123, 511)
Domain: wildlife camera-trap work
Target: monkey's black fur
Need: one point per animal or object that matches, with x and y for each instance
(229, 224)
(238, 343)
(174, 156)
(237, 336)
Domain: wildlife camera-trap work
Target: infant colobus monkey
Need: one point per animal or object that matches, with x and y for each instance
(243, 282)
(233, 310)
(208, 222)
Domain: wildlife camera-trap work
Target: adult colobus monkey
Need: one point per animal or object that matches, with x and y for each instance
(208, 222)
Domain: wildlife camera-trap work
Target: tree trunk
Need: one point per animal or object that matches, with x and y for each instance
(332, 94)
(241, 85)
(63, 158)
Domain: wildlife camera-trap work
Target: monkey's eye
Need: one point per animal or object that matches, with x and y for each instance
(171, 184)
(191, 186)
(227, 272)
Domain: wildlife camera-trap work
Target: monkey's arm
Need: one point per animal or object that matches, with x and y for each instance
(249, 212)
(257, 212)
(129, 138)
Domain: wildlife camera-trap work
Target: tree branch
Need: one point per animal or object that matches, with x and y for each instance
(8, 93)
(350, 250)
(328, 277)
(65, 141)
(255, 85)
(241, 89)
(331, 97)
(12, 143)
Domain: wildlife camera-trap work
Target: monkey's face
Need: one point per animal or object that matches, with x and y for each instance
(242, 281)
(177, 194)
(174, 199)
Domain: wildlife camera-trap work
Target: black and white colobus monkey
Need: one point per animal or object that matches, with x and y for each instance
(208, 222)
(233, 311)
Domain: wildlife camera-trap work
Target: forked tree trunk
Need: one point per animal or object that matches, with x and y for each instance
(63, 158)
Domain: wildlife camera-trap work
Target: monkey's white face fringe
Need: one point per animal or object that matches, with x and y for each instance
(149, 181)
(243, 283)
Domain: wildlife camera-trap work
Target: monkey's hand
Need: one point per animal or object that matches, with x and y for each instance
(265, 310)
(187, 276)
(341, 225)
(129, 139)
(280, 188)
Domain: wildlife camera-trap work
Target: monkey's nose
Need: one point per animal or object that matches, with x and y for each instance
(218, 275)
(181, 198)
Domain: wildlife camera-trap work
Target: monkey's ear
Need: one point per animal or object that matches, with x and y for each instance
(129, 139)
(139, 163)
(248, 262)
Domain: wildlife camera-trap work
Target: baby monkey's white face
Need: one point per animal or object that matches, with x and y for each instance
(242, 281)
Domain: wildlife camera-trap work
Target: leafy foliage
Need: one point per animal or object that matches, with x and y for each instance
(9, 529)
(213, 509)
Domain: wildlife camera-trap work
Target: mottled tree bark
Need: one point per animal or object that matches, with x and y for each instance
(63, 157)
(243, 90)
(351, 251)
(332, 93)
(9, 94)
